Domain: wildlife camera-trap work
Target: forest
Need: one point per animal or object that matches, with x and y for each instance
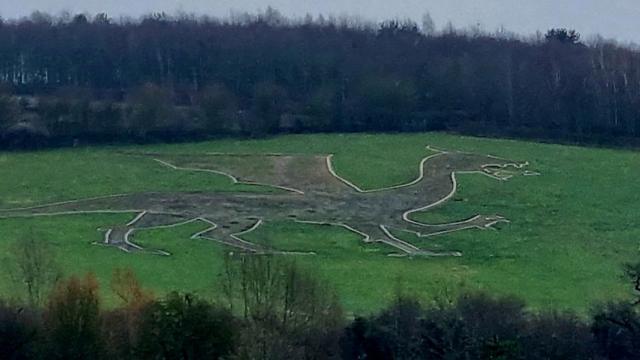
(76, 79)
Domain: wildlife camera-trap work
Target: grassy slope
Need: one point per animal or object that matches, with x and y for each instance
(571, 228)
(36, 178)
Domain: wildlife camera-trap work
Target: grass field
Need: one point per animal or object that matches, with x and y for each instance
(571, 228)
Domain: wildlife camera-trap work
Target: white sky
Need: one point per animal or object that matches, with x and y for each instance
(619, 19)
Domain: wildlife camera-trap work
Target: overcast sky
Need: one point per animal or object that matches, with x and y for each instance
(618, 19)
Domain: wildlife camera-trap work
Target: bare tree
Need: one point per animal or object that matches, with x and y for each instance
(288, 312)
(72, 319)
(126, 286)
(33, 267)
(428, 25)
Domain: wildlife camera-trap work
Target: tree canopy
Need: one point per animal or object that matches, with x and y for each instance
(174, 77)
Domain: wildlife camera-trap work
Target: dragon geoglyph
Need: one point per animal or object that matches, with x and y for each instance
(306, 189)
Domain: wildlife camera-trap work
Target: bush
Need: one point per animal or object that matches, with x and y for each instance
(20, 334)
(182, 326)
(616, 328)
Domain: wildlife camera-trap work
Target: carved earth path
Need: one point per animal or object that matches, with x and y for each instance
(308, 190)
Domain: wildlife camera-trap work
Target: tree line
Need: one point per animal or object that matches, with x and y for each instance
(83, 78)
(269, 307)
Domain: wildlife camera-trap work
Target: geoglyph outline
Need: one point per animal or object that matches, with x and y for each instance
(399, 244)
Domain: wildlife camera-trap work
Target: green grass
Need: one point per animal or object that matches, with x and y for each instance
(571, 228)
(43, 177)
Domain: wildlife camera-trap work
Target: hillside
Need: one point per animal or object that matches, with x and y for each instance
(570, 229)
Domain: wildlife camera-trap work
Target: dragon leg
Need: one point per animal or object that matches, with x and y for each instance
(383, 234)
(481, 222)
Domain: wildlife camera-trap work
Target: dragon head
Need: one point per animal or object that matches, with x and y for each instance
(489, 165)
(503, 169)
